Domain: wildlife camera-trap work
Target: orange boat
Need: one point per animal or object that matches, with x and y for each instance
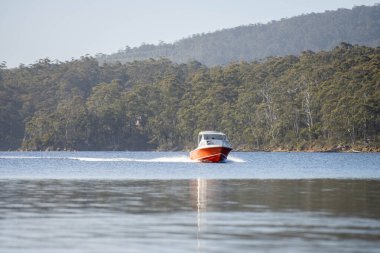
(212, 147)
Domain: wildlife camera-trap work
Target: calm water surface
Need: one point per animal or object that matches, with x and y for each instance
(162, 202)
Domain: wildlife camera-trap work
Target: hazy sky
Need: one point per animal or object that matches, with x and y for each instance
(63, 29)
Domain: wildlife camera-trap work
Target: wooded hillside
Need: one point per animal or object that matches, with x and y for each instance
(321, 31)
(317, 100)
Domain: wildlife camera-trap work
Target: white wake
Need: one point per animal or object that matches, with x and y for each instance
(173, 159)
(235, 159)
(164, 159)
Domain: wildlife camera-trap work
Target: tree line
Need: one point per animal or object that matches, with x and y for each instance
(311, 101)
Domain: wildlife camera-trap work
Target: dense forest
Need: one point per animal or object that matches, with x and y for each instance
(312, 101)
(322, 31)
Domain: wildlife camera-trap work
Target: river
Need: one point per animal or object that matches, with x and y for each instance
(163, 202)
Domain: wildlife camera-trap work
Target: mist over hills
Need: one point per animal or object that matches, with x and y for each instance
(315, 31)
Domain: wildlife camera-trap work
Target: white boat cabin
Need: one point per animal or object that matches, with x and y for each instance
(212, 138)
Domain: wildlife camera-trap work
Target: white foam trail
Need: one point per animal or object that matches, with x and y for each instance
(235, 159)
(164, 159)
(174, 159)
(94, 159)
(20, 157)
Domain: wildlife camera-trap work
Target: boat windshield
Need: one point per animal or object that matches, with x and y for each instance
(214, 137)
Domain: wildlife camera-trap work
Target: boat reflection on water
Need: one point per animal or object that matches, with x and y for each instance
(198, 189)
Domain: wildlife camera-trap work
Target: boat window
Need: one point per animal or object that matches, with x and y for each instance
(215, 137)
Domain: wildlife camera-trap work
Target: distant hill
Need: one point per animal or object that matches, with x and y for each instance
(315, 31)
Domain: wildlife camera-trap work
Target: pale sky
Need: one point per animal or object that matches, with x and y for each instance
(66, 29)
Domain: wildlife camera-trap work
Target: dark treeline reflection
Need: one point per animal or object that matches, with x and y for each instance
(331, 197)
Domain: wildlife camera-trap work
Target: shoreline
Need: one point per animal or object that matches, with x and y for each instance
(336, 149)
(333, 149)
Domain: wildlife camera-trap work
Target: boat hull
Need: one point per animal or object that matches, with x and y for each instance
(210, 154)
